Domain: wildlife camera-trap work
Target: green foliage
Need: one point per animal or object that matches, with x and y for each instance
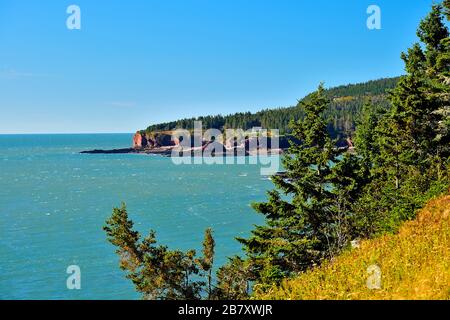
(382, 208)
(407, 147)
(446, 4)
(156, 271)
(207, 261)
(414, 265)
(402, 161)
(233, 280)
(365, 138)
(432, 29)
(340, 114)
(312, 224)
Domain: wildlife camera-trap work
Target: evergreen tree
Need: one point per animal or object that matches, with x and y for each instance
(435, 35)
(412, 139)
(440, 84)
(309, 222)
(446, 5)
(365, 140)
(411, 136)
(233, 280)
(207, 261)
(156, 271)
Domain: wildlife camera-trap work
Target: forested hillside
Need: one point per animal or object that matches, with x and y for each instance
(346, 103)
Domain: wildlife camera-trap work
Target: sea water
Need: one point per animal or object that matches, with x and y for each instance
(54, 202)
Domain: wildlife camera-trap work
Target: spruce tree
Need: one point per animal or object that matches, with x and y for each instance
(446, 5)
(307, 215)
(435, 35)
(413, 138)
(440, 84)
(207, 261)
(157, 272)
(365, 140)
(233, 279)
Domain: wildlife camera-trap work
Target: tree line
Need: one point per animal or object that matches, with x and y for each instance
(328, 196)
(341, 113)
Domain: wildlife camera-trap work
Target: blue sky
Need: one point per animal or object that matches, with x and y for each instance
(139, 62)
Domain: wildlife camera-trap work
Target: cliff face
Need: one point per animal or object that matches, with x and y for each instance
(153, 140)
(139, 141)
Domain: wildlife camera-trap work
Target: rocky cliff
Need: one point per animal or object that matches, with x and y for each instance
(142, 140)
(162, 143)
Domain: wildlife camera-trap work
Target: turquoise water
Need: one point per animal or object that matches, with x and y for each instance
(54, 201)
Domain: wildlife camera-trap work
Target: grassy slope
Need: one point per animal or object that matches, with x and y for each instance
(415, 264)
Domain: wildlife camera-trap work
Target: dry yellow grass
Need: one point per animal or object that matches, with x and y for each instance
(415, 265)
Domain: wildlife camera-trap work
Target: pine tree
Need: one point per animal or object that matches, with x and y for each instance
(309, 222)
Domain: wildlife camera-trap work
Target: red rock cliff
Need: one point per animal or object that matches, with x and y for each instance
(139, 141)
(153, 140)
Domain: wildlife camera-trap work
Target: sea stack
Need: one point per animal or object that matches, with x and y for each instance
(139, 141)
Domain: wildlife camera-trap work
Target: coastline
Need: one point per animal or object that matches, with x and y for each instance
(168, 151)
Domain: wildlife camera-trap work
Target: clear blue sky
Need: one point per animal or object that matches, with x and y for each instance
(134, 62)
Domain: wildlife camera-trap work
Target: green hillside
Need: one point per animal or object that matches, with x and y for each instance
(346, 103)
(413, 264)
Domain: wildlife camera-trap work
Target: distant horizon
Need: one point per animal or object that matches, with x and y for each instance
(133, 132)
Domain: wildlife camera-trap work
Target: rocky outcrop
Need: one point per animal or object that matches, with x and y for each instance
(153, 140)
(114, 151)
(139, 141)
(163, 142)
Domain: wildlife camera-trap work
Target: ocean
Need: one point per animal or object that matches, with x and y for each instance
(54, 202)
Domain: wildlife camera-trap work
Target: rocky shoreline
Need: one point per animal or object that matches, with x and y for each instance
(167, 151)
(156, 151)
(163, 145)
